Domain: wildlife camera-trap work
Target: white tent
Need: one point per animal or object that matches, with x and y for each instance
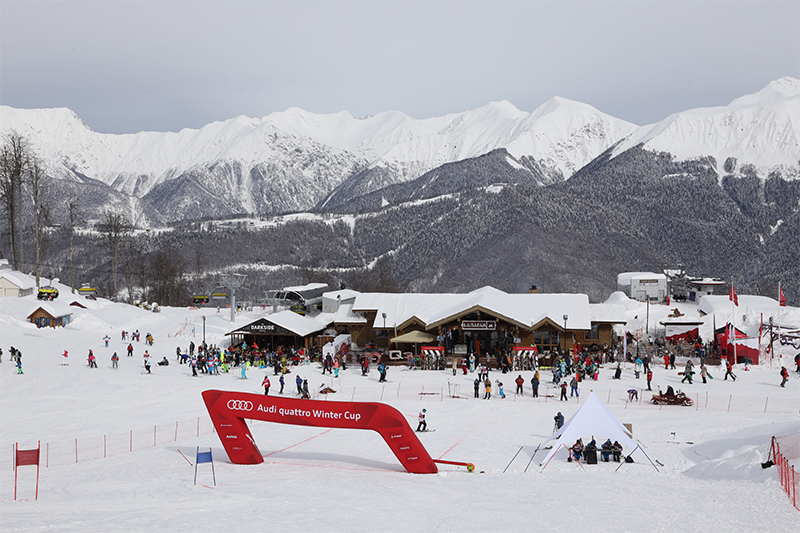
(333, 347)
(593, 420)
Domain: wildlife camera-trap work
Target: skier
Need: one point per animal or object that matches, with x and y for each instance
(115, 361)
(193, 364)
(147, 361)
(729, 371)
(423, 426)
(130, 350)
(91, 359)
(500, 388)
(784, 375)
(19, 366)
(106, 339)
(519, 381)
(382, 369)
(244, 369)
(265, 384)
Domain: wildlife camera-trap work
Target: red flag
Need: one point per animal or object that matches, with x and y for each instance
(732, 296)
(27, 457)
(781, 296)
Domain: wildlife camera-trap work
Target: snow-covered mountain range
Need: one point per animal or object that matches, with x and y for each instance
(294, 160)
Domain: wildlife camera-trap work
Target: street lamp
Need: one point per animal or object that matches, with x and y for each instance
(565, 334)
(771, 341)
(204, 332)
(384, 329)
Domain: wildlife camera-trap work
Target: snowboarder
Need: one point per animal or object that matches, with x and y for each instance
(784, 375)
(519, 381)
(265, 384)
(687, 372)
(703, 372)
(422, 426)
(115, 361)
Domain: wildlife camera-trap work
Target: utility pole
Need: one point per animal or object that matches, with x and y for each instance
(232, 282)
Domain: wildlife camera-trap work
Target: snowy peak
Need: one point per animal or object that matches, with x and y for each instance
(761, 130)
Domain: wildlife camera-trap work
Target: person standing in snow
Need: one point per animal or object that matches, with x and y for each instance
(19, 366)
(130, 350)
(488, 389)
(245, 364)
(500, 388)
(535, 384)
(729, 371)
(564, 392)
(559, 418)
(306, 395)
(784, 375)
(650, 378)
(193, 364)
(282, 382)
(265, 384)
(115, 361)
(423, 425)
(520, 382)
(106, 339)
(147, 361)
(299, 382)
(91, 359)
(687, 371)
(573, 385)
(703, 372)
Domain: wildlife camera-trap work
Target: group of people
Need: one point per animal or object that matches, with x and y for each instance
(608, 450)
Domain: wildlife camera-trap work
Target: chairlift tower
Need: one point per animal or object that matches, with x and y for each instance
(232, 282)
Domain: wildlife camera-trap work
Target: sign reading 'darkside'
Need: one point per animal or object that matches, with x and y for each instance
(229, 410)
(478, 325)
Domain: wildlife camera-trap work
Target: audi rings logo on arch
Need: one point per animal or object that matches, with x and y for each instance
(240, 405)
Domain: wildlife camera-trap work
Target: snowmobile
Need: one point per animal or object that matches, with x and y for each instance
(671, 398)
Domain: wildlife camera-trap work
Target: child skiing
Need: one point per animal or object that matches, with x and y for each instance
(422, 426)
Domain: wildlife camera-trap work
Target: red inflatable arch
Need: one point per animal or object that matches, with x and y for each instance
(228, 411)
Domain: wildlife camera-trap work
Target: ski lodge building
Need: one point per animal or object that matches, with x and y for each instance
(483, 321)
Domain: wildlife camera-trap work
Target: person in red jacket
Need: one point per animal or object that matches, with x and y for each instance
(265, 384)
(519, 381)
(784, 375)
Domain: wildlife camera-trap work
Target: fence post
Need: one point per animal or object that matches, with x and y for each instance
(198, 426)
(76, 450)
(382, 388)
(154, 436)
(47, 464)
(398, 389)
(729, 403)
(352, 398)
(441, 394)
(545, 393)
(765, 404)
(176, 432)
(794, 489)
(608, 402)
(104, 447)
(421, 394)
(131, 440)
(706, 400)
(698, 402)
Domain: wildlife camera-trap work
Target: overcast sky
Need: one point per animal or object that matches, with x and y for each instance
(125, 66)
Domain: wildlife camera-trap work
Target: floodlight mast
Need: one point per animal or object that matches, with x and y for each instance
(232, 282)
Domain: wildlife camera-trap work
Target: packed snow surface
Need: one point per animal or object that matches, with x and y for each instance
(314, 479)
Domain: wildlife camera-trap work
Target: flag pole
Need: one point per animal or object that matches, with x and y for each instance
(780, 351)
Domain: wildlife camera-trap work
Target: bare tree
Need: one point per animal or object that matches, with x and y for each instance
(39, 187)
(14, 163)
(114, 226)
(167, 274)
(132, 260)
(75, 213)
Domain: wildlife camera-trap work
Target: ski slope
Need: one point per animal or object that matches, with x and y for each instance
(316, 479)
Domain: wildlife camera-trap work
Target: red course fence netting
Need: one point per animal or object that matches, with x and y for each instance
(785, 449)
